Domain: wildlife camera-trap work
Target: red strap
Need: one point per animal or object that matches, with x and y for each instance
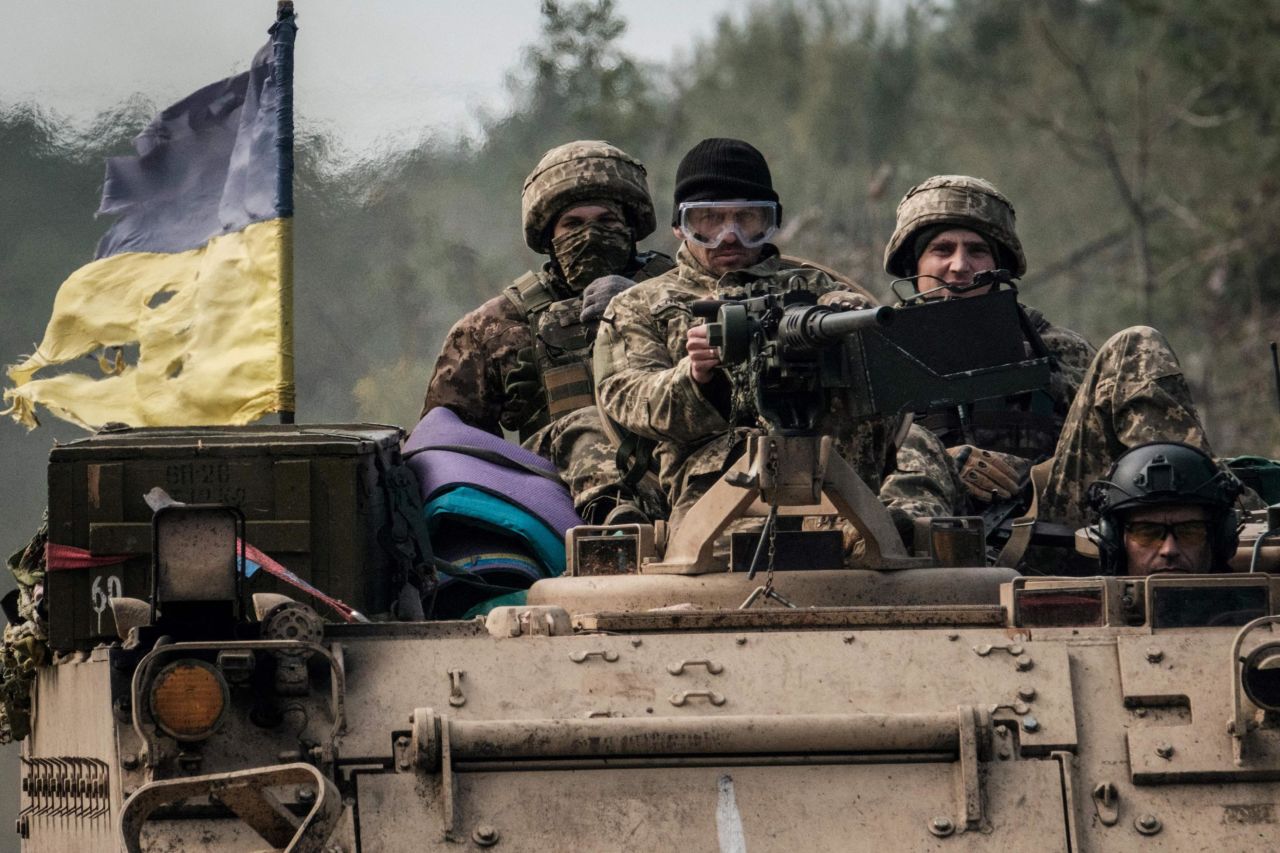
(271, 567)
(69, 557)
(60, 557)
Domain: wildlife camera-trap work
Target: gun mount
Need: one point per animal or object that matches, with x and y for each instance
(805, 359)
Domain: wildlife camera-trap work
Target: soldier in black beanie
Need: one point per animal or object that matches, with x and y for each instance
(716, 171)
(657, 375)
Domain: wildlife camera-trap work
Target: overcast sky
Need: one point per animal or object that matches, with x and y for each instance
(374, 72)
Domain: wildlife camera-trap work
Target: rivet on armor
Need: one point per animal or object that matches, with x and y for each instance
(1147, 824)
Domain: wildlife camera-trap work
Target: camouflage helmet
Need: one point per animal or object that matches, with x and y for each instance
(581, 171)
(960, 201)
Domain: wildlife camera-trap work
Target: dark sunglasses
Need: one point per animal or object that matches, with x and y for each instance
(1149, 533)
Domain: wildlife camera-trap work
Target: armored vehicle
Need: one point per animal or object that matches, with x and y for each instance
(224, 671)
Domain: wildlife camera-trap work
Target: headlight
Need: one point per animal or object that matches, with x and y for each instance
(1260, 676)
(188, 699)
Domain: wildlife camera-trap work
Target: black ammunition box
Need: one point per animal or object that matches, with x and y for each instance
(311, 497)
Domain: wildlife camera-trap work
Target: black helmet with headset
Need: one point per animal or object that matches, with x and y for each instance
(1160, 473)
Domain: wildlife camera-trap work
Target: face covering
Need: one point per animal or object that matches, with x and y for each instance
(590, 251)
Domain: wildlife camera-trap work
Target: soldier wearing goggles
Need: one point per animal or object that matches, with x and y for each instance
(659, 378)
(710, 223)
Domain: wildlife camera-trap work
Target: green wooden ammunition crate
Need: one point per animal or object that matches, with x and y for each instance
(310, 496)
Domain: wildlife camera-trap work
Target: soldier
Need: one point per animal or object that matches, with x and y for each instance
(662, 379)
(1165, 507)
(521, 361)
(1097, 404)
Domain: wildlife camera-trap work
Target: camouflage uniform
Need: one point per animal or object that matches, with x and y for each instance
(1023, 428)
(924, 483)
(646, 385)
(539, 314)
(481, 351)
(24, 647)
(479, 355)
(1097, 405)
(1133, 393)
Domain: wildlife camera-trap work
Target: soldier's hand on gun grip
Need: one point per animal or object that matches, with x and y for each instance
(703, 359)
(596, 296)
(986, 475)
(523, 394)
(844, 300)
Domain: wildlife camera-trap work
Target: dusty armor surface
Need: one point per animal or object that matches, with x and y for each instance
(638, 701)
(961, 202)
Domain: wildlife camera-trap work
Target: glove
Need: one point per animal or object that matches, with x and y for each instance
(523, 394)
(986, 475)
(596, 296)
(844, 300)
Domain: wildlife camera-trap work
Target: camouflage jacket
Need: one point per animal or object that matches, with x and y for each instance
(645, 384)
(1024, 425)
(481, 350)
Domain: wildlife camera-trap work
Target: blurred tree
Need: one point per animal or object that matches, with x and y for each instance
(575, 83)
(825, 89)
(1138, 139)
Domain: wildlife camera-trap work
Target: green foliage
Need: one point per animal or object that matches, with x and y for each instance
(1138, 139)
(575, 83)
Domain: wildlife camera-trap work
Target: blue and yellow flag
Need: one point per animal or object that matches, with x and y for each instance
(196, 272)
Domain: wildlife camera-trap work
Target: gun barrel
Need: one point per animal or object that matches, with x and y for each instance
(816, 326)
(841, 323)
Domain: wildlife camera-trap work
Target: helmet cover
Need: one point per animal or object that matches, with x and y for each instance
(578, 172)
(959, 201)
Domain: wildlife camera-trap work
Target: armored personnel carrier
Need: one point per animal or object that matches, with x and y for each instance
(224, 673)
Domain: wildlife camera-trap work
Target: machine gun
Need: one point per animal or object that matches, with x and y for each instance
(805, 360)
(877, 361)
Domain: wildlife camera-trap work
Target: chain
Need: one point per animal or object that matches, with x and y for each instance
(742, 400)
(770, 536)
(771, 465)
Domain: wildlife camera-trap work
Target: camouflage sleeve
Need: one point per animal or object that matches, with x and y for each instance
(925, 482)
(477, 353)
(1073, 354)
(650, 389)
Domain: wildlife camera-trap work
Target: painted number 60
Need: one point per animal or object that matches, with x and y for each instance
(105, 588)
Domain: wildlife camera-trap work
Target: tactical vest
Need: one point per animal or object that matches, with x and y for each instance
(562, 342)
(1025, 425)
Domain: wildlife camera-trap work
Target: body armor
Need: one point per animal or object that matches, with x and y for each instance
(562, 342)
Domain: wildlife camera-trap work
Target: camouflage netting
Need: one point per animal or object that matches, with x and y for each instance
(25, 645)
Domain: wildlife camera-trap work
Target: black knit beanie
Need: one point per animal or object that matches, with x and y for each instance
(721, 169)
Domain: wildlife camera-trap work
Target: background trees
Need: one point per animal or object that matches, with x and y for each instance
(1138, 139)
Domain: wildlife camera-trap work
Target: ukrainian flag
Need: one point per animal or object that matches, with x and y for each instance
(196, 272)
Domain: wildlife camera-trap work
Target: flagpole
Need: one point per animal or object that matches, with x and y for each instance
(283, 33)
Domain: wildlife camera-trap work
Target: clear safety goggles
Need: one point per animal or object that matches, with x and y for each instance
(709, 223)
